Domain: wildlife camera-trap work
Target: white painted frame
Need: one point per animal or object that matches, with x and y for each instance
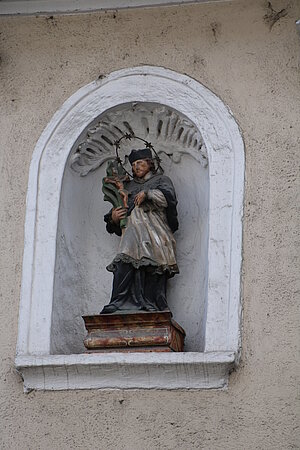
(225, 149)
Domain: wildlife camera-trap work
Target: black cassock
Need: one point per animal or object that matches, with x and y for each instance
(147, 251)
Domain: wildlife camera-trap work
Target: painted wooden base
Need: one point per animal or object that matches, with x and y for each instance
(133, 332)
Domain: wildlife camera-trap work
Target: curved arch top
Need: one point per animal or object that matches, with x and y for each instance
(225, 151)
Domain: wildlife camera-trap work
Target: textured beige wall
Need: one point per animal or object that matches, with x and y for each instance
(229, 48)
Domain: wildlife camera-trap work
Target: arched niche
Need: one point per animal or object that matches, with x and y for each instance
(214, 345)
(84, 249)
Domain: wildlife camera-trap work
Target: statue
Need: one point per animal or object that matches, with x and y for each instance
(144, 214)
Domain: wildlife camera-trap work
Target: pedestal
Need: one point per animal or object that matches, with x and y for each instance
(133, 332)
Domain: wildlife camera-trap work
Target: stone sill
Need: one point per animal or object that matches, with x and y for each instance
(126, 371)
(42, 7)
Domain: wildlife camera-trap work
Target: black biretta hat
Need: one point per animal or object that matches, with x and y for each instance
(143, 153)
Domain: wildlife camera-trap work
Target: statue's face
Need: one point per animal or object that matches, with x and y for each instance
(140, 168)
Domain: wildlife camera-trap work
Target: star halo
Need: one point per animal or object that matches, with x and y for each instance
(129, 137)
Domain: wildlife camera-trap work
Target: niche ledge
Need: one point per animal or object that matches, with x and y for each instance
(131, 371)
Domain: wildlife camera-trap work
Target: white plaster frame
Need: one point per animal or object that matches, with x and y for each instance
(225, 148)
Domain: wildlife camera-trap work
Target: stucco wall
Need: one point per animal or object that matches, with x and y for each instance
(230, 48)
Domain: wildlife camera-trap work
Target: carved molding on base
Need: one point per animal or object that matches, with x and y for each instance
(132, 332)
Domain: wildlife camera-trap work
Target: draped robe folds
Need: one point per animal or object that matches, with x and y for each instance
(147, 250)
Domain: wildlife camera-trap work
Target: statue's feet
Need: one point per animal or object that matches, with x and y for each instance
(109, 309)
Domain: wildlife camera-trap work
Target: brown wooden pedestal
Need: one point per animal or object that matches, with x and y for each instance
(133, 332)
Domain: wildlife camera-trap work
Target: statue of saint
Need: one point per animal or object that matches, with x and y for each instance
(146, 221)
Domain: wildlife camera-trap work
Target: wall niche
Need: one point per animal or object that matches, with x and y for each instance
(67, 248)
(84, 248)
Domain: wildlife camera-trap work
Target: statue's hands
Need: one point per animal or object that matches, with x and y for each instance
(140, 198)
(117, 214)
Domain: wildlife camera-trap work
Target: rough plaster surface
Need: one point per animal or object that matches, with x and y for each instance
(230, 48)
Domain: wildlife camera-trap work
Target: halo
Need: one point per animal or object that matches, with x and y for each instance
(129, 137)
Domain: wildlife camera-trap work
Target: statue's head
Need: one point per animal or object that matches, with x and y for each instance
(141, 162)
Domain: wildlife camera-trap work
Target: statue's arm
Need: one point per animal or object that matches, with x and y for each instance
(111, 226)
(157, 197)
(166, 186)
